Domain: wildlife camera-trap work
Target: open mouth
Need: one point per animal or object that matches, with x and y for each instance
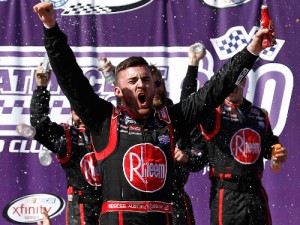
(142, 99)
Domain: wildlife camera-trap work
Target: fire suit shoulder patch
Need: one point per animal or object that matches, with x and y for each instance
(164, 115)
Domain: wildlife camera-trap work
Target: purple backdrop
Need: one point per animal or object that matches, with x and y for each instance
(161, 31)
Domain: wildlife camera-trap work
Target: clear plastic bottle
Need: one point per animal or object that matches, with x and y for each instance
(275, 166)
(198, 47)
(25, 130)
(108, 76)
(45, 157)
(46, 64)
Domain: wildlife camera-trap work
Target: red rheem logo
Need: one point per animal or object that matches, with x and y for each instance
(89, 170)
(145, 167)
(245, 146)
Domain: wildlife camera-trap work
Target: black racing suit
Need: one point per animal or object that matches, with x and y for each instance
(182, 209)
(238, 138)
(76, 156)
(135, 154)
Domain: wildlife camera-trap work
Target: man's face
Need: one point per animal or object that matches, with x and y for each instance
(136, 88)
(236, 97)
(160, 91)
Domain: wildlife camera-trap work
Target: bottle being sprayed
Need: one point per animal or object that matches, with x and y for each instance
(108, 76)
(275, 166)
(45, 157)
(25, 130)
(46, 64)
(269, 39)
(198, 47)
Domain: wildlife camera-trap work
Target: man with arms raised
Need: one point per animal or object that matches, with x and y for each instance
(135, 144)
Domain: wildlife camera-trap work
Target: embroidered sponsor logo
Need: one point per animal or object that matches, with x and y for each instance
(134, 129)
(164, 139)
(245, 146)
(128, 120)
(145, 167)
(88, 165)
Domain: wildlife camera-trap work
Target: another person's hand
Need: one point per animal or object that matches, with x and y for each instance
(41, 78)
(107, 66)
(255, 47)
(180, 156)
(194, 58)
(46, 219)
(45, 12)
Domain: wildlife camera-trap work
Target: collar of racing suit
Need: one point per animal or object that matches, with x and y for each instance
(132, 115)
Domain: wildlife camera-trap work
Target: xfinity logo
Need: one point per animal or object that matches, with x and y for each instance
(28, 209)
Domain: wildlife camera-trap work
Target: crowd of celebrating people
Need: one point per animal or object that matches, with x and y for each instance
(146, 146)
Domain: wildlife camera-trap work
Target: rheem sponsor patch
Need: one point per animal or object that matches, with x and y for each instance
(145, 167)
(89, 169)
(245, 146)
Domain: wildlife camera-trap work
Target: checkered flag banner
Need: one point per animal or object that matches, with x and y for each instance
(236, 38)
(104, 7)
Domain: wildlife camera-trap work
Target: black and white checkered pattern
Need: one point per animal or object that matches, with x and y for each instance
(93, 9)
(231, 43)
(86, 9)
(236, 39)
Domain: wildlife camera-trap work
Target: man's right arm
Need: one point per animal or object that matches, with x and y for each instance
(85, 102)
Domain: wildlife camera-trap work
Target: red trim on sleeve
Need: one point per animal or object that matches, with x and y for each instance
(113, 135)
(217, 126)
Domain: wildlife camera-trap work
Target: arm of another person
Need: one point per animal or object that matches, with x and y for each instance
(49, 134)
(198, 151)
(189, 84)
(85, 102)
(269, 141)
(192, 110)
(195, 149)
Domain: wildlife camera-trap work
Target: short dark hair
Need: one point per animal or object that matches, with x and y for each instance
(131, 62)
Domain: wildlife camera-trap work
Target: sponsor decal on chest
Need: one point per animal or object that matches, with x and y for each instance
(245, 146)
(229, 114)
(145, 167)
(164, 139)
(88, 165)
